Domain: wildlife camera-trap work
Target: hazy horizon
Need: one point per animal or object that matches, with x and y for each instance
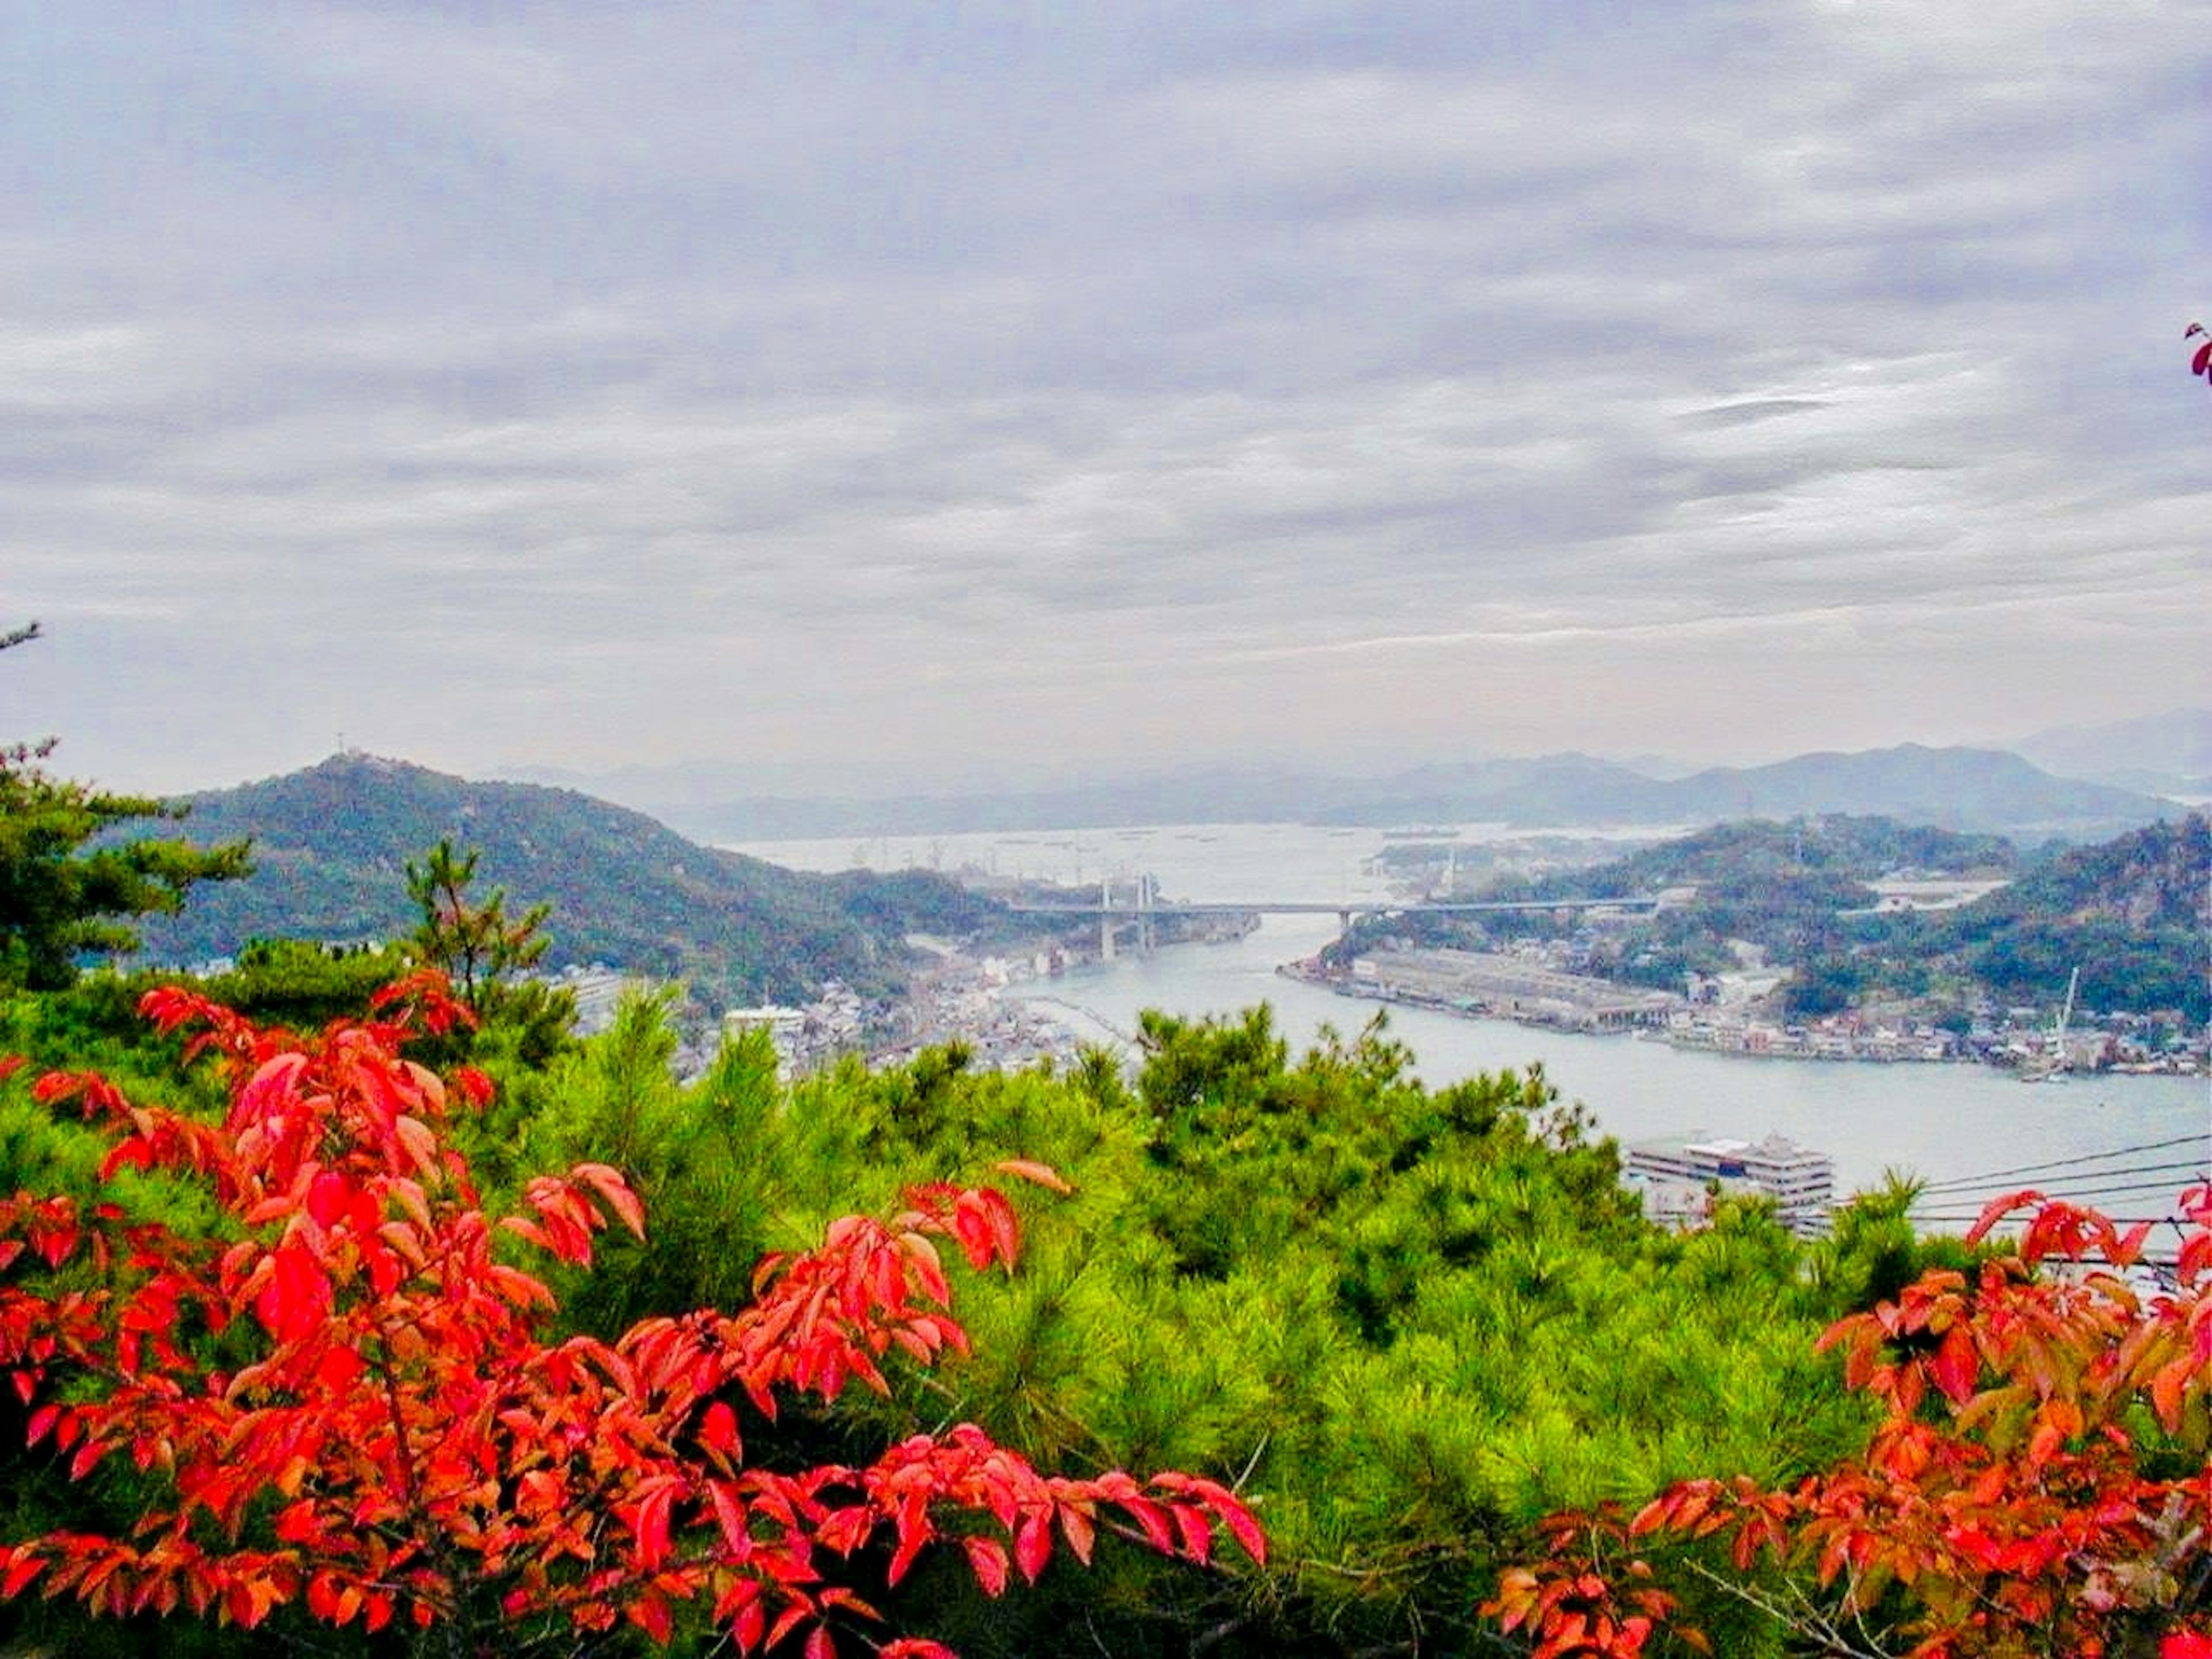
(935, 393)
(703, 782)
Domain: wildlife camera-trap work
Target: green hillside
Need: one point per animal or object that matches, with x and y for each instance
(330, 846)
(2134, 913)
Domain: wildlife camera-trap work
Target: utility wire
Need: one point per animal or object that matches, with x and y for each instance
(2098, 1194)
(2070, 1162)
(2081, 1180)
(2087, 1199)
(1948, 1217)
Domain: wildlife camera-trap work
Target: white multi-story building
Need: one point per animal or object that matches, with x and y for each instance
(1678, 1177)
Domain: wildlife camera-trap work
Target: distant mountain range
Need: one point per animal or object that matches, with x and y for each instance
(2168, 754)
(1964, 789)
(332, 844)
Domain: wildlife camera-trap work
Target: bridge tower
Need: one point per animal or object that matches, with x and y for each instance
(1143, 911)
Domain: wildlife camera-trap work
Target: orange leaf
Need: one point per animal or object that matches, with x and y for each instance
(649, 1613)
(1956, 1364)
(1042, 1173)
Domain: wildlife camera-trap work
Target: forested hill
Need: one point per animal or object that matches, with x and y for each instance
(2155, 877)
(332, 844)
(1836, 847)
(2133, 914)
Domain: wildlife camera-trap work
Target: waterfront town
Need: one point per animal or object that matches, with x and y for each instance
(959, 995)
(1734, 1014)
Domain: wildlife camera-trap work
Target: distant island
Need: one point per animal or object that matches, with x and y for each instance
(1838, 937)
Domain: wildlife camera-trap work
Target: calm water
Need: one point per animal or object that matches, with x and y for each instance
(1950, 1124)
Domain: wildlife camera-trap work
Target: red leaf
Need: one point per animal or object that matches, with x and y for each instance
(608, 1183)
(987, 1558)
(718, 1428)
(1997, 1208)
(338, 1367)
(975, 1235)
(650, 1529)
(1033, 1543)
(1197, 1533)
(23, 1568)
(1956, 1364)
(296, 1297)
(1150, 1516)
(328, 1197)
(133, 1152)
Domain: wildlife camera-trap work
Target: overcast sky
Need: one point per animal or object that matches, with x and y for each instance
(579, 384)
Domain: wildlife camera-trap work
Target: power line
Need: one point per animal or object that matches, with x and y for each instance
(2115, 1173)
(2095, 1196)
(2115, 1219)
(2071, 1162)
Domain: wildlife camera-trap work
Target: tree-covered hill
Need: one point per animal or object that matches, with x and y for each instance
(2134, 914)
(332, 844)
(1778, 885)
(1838, 846)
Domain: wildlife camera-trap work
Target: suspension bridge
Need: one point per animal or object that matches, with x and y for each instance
(1136, 905)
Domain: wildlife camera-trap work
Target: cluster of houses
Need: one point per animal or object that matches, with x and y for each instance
(1839, 1036)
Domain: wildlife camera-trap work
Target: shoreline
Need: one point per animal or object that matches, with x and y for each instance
(1789, 1049)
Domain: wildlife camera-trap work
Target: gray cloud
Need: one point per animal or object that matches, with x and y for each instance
(601, 384)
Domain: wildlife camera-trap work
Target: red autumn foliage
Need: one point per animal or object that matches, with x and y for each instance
(2037, 1483)
(354, 1410)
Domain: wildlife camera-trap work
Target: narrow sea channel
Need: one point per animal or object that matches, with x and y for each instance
(1963, 1126)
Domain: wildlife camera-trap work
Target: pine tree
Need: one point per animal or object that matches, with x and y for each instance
(66, 890)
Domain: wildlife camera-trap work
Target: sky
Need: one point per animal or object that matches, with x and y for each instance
(897, 393)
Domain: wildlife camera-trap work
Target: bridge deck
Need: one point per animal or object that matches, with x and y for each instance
(1322, 907)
